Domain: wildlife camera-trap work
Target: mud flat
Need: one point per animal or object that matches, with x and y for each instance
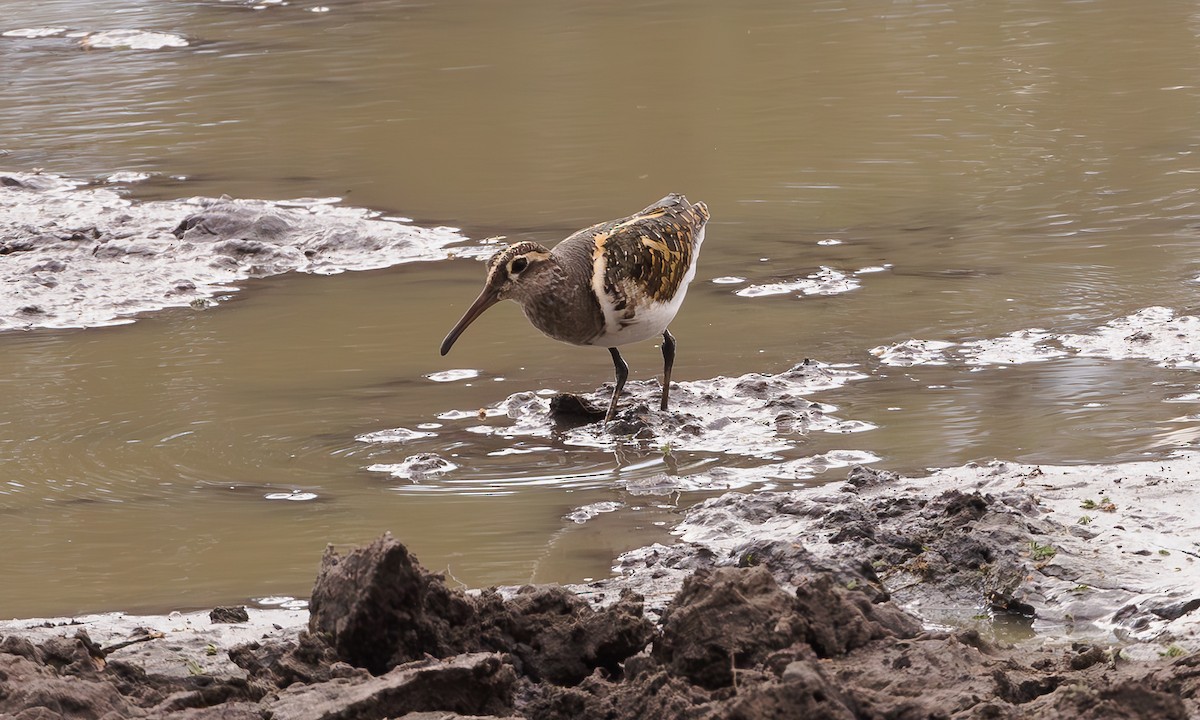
(879, 597)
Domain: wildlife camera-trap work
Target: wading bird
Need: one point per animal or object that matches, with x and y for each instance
(611, 284)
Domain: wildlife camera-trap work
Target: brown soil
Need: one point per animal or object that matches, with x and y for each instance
(386, 638)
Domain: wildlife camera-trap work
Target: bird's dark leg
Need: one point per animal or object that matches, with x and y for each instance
(622, 375)
(668, 348)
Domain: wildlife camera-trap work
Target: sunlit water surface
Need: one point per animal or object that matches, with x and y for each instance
(992, 167)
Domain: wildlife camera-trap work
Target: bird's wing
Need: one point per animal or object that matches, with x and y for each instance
(647, 256)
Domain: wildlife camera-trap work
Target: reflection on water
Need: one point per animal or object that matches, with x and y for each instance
(997, 167)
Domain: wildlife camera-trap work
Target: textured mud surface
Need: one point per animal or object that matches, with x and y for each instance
(773, 632)
(756, 415)
(1106, 553)
(83, 257)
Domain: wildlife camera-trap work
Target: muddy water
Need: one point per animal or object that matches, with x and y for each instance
(972, 169)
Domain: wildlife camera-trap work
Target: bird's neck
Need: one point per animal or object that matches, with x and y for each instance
(564, 306)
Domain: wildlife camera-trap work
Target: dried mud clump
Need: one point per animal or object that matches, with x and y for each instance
(378, 608)
(730, 619)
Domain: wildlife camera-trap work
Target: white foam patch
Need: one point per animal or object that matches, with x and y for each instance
(394, 435)
(453, 375)
(1192, 397)
(293, 496)
(581, 515)
(810, 467)
(416, 467)
(128, 39)
(127, 177)
(913, 352)
(1016, 348)
(31, 33)
(669, 484)
(1155, 333)
(825, 281)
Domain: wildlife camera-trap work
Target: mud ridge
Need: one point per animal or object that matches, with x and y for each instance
(386, 638)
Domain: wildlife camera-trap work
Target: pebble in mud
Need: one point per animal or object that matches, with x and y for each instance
(229, 614)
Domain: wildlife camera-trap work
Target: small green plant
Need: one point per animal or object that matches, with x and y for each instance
(1080, 588)
(1041, 552)
(1084, 520)
(1173, 651)
(1164, 552)
(1105, 504)
(210, 650)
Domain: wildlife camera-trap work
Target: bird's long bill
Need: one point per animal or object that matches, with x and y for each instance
(486, 299)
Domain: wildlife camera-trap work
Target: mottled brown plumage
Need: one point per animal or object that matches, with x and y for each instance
(611, 284)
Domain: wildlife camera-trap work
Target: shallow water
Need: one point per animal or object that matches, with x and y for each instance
(974, 169)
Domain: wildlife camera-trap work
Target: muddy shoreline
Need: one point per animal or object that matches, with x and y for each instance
(973, 592)
(983, 591)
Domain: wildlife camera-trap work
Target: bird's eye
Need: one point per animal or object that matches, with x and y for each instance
(519, 265)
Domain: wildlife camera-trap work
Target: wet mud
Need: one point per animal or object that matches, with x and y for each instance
(1155, 334)
(773, 626)
(762, 416)
(76, 256)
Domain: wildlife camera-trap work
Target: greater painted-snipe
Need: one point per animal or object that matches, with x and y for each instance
(611, 284)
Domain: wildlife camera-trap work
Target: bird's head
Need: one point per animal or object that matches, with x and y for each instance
(513, 273)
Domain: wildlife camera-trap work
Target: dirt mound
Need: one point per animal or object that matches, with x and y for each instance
(731, 618)
(378, 608)
(389, 639)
